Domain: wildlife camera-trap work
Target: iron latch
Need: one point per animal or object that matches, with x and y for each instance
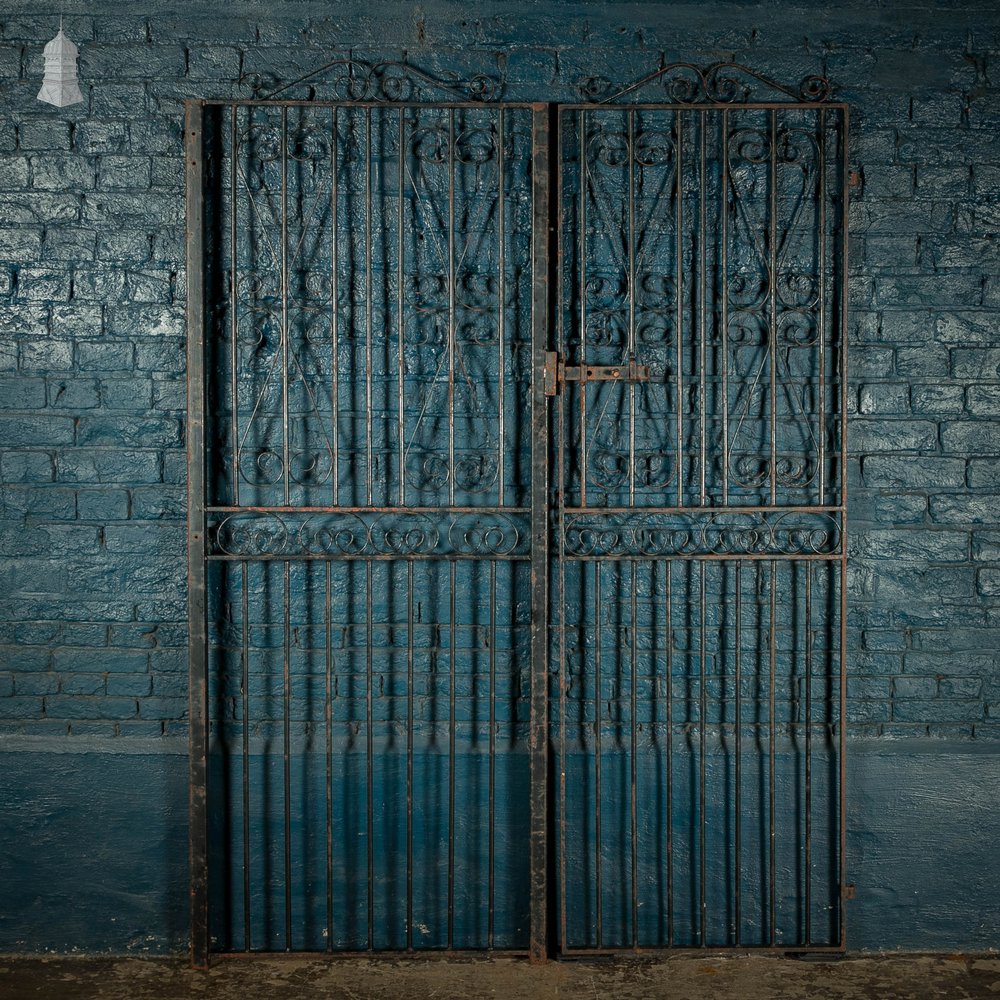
(556, 372)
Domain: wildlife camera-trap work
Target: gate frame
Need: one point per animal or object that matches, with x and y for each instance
(375, 85)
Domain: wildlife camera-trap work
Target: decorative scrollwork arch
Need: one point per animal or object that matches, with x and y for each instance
(719, 83)
(389, 81)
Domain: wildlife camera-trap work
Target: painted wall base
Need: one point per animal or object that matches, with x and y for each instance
(94, 855)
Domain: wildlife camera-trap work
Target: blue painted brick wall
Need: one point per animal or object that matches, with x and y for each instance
(92, 599)
(92, 324)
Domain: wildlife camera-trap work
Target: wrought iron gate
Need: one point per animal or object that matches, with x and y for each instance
(516, 440)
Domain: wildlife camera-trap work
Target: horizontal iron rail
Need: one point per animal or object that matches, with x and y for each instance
(527, 106)
(391, 105)
(419, 954)
(377, 557)
(709, 106)
(705, 557)
(702, 510)
(663, 951)
(366, 510)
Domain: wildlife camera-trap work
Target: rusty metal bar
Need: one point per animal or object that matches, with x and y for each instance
(738, 809)
(821, 398)
(701, 105)
(369, 240)
(696, 557)
(286, 747)
(501, 312)
(409, 755)
(561, 487)
(807, 894)
(542, 138)
(702, 280)
(335, 306)
(491, 847)
(771, 733)
(679, 295)
(682, 510)
(842, 721)
(630, 242)
(400, 318)
(286, 457)
(328, 713)
(598, 713)
(197, 604)
(702, 726)
(523, 105)
(634, 753)
(628, 372)
(582, 285)
(772, 239)
(724, 305)
(670, 751)
(405, 510)
(451, 307)
(369, 755)
(233, 311)
(245, 715)
(452, 758)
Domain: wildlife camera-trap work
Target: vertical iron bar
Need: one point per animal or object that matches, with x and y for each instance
(598, 713)
(369, 238)
(245, 712)
(369, 753)
(821, 403)
(329, 754)
(452, 718)
(842, 721)
(451, 307)
(197, 618)
(633, 754)
(335, 309)
(807, 938)
(679, 281)
(702, 281)
(492, 752)
(772, 230)
(631, 304)
(286, 756)
(584, 177)
(285, 455)
(562, 411)
(234, 310)
(702, 725)
(772, 866)
(670, 754)
(541, 178)
(724, 306)
(400, 420)
(738, 810)
(409, 755)
(501, 311)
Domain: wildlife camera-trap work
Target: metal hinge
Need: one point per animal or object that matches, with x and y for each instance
(555, 372)
(850, 891)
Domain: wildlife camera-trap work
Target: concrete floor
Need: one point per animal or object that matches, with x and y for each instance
(685, 978)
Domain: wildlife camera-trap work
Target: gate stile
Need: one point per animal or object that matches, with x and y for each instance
(375, 536)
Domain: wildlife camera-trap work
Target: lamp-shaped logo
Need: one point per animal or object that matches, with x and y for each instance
(60, 86)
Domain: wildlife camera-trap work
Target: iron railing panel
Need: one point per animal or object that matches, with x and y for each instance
(368, 529)
(701, 526)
